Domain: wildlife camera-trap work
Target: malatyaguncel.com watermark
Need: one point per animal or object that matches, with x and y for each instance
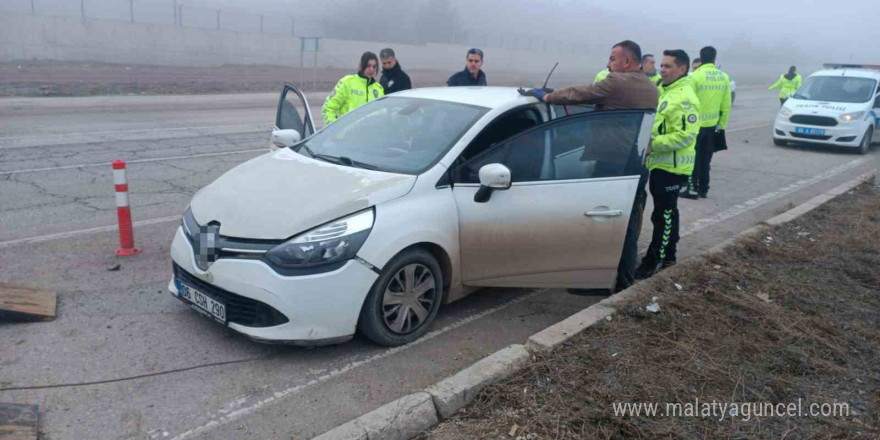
(722, 410)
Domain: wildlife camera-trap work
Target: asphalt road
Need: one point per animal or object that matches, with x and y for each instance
(124, 360)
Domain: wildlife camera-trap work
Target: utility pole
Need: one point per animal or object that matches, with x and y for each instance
(33, 9)
(175, 13)
(180, 15)
(82, 9)
(131, 9)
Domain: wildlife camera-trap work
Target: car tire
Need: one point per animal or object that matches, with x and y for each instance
(866, 141)
(390, 315)
(779, 142)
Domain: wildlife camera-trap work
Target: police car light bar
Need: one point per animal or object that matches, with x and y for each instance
(851, 66)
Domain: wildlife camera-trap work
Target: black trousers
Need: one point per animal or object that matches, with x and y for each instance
(782, 101)
(664, 188)
(699, 180)
(629, 259)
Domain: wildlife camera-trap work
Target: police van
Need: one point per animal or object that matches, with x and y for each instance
(839, 106)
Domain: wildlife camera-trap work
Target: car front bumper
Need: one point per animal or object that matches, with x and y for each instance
(845, 134)
(321, 309)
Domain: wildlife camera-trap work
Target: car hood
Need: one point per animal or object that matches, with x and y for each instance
(823, 108)
(281, 194)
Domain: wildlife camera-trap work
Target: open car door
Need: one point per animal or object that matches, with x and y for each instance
(558, 218)
(293, 120)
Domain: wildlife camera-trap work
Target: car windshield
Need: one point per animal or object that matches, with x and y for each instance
(394, 134)
(837, 89)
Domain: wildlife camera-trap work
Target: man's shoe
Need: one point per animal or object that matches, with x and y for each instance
(690, 194)
(589, 292)
(703, 195)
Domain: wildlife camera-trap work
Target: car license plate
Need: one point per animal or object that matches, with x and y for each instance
(202, 303)
(813, 131)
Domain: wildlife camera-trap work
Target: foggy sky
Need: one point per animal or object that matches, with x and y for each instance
(782, 31)
(823, 30)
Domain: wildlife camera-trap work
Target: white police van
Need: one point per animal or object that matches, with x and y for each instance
(837, 106)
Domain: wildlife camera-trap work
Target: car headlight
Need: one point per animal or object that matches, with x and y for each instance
(846, 117)
(784, 112)
(333, 242)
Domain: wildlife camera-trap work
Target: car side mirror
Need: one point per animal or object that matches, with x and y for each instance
(493, 176)
(285, 138)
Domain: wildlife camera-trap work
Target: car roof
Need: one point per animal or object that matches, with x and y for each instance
(489, 97)
(858, 73)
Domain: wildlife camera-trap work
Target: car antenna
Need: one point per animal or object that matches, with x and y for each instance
(550, 74)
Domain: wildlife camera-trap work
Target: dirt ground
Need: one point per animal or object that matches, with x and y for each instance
(54, 78)
(791, 316)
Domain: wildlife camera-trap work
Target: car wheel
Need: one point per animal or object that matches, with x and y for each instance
(866, 141)
(779, 142)
(405, 299)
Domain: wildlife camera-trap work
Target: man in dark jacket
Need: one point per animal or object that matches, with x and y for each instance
(472, 75)
(625, 88)
(394, 79)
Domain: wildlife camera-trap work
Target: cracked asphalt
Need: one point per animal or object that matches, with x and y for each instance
(124, 360)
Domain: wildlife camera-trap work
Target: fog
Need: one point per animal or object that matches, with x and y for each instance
(768, 32)
(785, 29)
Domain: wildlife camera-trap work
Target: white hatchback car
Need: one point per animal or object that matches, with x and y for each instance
(838, 106)
(404, 204)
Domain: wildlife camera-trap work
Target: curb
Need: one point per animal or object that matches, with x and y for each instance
(414, 414)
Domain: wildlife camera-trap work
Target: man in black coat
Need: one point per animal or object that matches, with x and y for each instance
(394, 79)
(472, 75)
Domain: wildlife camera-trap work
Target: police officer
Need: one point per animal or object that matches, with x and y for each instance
(601, 75)
(787, 84)
(649, 66)
(712, 87)
(670, 158)
(353, 91)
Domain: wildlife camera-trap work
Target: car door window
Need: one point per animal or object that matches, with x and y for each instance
(592, 145)
(502, 128)
(292, 112)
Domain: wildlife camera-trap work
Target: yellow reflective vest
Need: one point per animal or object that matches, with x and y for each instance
(351, 92)
(712, 88)
(655, 79)
(674, 136)
(786, 86)
(601, 75)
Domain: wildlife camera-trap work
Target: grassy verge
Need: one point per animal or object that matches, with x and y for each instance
(790, 318)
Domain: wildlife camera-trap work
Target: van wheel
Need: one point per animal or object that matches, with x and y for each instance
(779, 142)
(405, 299)
(866, 141)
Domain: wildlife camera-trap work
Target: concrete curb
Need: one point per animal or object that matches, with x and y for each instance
(411, 415)
(456, 392)
(401, 419)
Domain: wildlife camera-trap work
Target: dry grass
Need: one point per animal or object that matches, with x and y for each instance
(794, 316)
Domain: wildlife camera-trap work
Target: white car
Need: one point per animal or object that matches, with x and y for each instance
(838, 106)
(404, 204)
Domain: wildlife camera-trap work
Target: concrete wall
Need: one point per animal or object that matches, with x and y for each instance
(25, 37)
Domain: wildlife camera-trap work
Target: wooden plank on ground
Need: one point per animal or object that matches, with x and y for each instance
(18, 302)
(18, 421)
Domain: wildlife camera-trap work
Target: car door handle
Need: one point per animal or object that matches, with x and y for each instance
(609, 213)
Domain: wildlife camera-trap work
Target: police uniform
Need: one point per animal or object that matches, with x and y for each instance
(787, 85)
(351, 92)
(601, 75)
(712, 87)
(671, 161)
